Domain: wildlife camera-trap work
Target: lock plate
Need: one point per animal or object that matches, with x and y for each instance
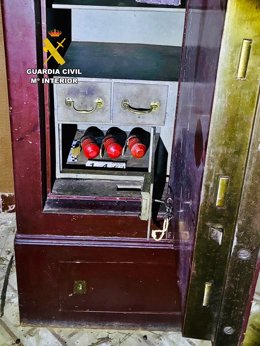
(80, 287)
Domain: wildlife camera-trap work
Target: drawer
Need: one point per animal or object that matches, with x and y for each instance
(122, 283)
(87, 101)
(143, 104)
(131, 287)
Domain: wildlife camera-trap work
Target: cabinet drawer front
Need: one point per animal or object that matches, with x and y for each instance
(87, 101)
(120, 287)
(143, 104)
(121, 283)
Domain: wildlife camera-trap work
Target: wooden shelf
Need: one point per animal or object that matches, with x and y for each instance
(108, 3)
(124, 61)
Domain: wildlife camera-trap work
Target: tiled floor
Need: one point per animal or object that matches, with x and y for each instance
(11, 333)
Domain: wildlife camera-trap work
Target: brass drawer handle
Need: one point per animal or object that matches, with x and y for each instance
(153, 107)
(69, 102)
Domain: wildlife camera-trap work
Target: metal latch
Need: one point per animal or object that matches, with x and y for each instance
(146, 193)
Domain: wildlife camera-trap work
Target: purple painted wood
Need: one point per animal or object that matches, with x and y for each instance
(88, 241)
(204, 27)
(126, 286)
(20, 38)
(28, 134)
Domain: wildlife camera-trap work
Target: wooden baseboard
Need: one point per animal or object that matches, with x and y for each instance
(7, 203)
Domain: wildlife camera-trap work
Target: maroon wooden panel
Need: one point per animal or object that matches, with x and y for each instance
(122, 286)
(24, 50)
(203, 28)
(127, 285)
(208, 4)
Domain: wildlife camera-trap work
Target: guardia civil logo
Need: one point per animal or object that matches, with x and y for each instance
(50, 48)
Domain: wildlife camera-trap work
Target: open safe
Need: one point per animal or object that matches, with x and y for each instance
(131, 149)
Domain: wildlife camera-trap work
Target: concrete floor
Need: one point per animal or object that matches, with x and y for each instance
(11, 333)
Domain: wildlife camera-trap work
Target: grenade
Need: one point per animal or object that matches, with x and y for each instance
(138, 142)
(91, 142)
(114, 142)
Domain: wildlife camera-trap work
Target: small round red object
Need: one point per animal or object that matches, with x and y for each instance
(137, 148)
(90, 148)
(113, 149)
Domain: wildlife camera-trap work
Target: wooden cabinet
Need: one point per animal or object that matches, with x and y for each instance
(88, 283)
(123, 240)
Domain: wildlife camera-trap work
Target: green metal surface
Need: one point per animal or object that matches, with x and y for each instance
(245, 249)
(232, 121)
(252, 336)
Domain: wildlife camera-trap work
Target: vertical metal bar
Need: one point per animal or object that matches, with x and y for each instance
(151, 153)
(151, 171)
(245, 249)
(232, 122)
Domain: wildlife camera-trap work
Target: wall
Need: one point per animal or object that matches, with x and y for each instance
(6, 173)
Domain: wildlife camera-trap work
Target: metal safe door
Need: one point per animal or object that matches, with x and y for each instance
(226, 241)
